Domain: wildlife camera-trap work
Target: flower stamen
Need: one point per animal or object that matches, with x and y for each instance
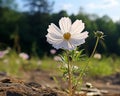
(67, 36)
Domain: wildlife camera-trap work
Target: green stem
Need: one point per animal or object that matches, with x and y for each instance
(69, 75)
(95, 47)
(80, 77)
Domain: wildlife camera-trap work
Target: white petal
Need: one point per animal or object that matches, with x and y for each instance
(64, 45)
(80, 35)
(65, 24)
(54, 32)
(77, 27)
(52, 40)
(79, 39)
(55, 36)
(71, 46)
(58, 45)
(54, 29)
(76, 42)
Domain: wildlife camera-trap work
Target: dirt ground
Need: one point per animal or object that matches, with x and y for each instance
(42, 83)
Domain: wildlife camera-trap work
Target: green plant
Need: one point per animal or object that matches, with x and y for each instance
(68, 37)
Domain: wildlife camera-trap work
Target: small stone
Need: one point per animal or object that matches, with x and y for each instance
(3, 74)
(104, 91)
(33, 84)
(88, 85)
(6, 80)
(51, 78)
(8, 93)
(50, 94)
(94, 94)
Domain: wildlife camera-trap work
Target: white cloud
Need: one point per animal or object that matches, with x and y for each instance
(104, 5)
(115, 18)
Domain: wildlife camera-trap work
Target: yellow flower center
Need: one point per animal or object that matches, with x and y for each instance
(67, 36)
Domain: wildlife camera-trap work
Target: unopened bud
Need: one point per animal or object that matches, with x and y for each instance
(99, 34)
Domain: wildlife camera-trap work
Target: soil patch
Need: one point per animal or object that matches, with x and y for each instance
(41, 83)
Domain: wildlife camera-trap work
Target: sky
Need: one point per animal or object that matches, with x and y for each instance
(99, 7)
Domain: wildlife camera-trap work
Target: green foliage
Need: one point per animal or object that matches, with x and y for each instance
(101, 68)
(14, 65)
(8, 3)
(10, 63)
(104, 67)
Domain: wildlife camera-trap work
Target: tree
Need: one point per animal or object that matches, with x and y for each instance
(41, 6)
(8, 4)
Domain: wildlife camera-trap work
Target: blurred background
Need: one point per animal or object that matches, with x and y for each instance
(24, 23)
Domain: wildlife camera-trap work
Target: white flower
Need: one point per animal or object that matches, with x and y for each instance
(52, 51)
(75, 67)
(6, 61)
(57, 58)
(69, 35)
(24, 56)
(97, 56)
(39, 62)
(2, 54)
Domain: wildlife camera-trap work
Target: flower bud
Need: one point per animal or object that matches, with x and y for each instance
(99, 34)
